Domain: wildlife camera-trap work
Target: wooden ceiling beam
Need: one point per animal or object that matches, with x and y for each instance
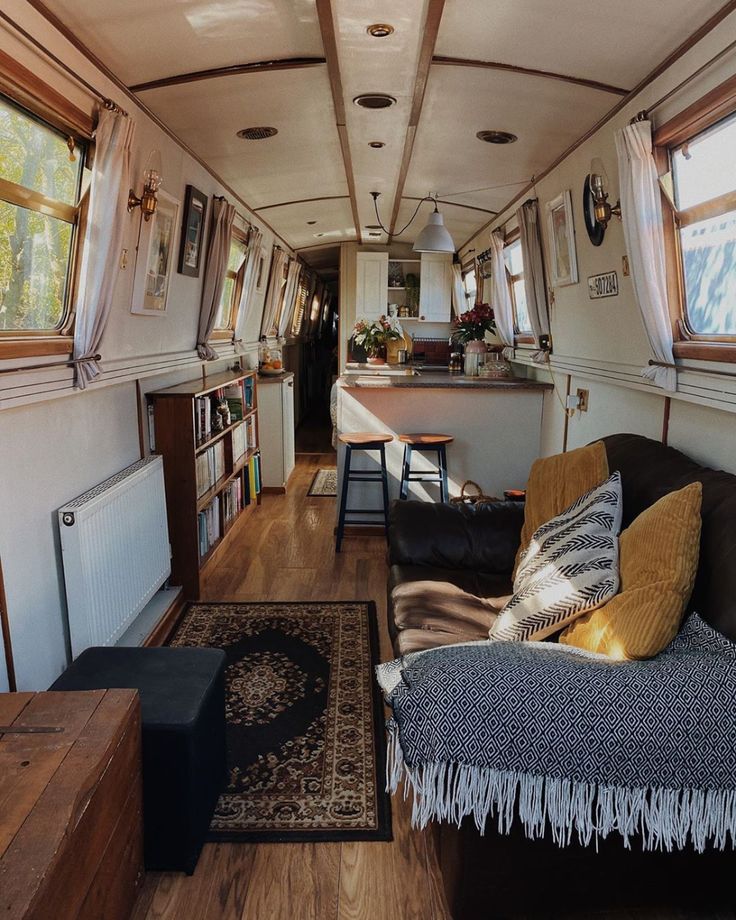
(233, 70)
(426, 52)
(326, 20)
(531, 72)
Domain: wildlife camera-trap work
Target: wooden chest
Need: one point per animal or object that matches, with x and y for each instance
(71, 838)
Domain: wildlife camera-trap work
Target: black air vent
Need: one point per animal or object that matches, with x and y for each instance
(374, 101)
(496, 137)
(257, 134)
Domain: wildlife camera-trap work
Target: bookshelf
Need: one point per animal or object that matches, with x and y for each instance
(207, 432)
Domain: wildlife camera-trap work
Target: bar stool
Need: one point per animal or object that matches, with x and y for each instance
(360, 440)
(425, 443)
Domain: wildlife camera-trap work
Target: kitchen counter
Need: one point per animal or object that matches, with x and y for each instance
(439, 380)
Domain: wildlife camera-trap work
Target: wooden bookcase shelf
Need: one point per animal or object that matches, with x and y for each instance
(194, 456)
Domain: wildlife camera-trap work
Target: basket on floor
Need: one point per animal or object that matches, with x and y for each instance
(472, 494)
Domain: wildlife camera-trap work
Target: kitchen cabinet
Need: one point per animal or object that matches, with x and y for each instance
(276, 417)
(435, 291)
(371, 285)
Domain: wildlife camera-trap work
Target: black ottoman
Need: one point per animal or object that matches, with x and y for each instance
(182, 693)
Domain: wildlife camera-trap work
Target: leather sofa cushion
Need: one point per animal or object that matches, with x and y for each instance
(444, 602)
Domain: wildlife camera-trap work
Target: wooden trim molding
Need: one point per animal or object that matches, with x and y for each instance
(160, 633)
(435, 8)
(531, 72)
(34, 346)
(233, 70)
(29, 90)
(715, 105)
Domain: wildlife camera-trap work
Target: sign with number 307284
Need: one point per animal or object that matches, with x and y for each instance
(605, 285)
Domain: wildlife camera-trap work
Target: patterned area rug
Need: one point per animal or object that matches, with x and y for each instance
(324, 484)
(305, 724)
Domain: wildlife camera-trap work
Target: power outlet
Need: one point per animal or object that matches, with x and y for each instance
(582, 396)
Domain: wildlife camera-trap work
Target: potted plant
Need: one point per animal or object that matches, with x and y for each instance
(470, 328)
(373, 337)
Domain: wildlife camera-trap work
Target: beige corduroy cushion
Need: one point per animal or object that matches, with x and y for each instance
(556, 482)
(659, 555)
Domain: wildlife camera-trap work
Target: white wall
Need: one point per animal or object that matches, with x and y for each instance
(600, 344)
(56, 442)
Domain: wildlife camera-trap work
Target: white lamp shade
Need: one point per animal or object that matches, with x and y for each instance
(434, 237)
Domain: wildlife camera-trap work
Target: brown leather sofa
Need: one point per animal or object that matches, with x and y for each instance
(445, 562)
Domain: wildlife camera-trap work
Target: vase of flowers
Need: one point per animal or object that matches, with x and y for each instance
(373, 336)
(470, 328)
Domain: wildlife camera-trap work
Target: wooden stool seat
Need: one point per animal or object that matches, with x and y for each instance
(426, 439)
(424, 442)
(361, 438)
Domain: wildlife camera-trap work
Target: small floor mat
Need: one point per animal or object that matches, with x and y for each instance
(324, 484)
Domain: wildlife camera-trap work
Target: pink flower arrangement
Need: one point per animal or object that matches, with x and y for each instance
(372, 336)
(473, 324)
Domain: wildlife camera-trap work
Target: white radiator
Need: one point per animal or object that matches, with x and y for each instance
(115, 545)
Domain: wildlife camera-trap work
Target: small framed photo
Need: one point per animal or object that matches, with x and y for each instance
(262, 270)
(155, 259)
(192, 232)
(563, 258)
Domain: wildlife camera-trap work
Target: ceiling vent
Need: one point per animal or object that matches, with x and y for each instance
(496, 137)
(380, 30)
(374, 101)
(376, 145)
(257, 134)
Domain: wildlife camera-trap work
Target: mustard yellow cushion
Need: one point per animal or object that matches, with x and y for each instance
(658, 561)
(556, 482)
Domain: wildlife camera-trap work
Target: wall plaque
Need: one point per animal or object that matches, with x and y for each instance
(605, 285)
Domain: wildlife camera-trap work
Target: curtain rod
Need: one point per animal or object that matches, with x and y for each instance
(693, 370)
(688, 79)
(106, 101)
(42, 367)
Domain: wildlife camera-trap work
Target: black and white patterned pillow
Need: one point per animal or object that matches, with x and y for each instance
(569, 568)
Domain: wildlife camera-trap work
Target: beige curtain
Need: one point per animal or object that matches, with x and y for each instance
(250, 273)
(501, 295)
(276, 283)
(534, 280)
(641, 213)
(290, 294)
(458, 289)
(107, 217)
(215, 268)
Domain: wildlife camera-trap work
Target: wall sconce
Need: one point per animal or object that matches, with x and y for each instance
(597, 211)
(152, 180)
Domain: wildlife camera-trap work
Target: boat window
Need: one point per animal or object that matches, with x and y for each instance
(300, 307)
(704, 185)
(233, 286)
(41, 174)
(470, 286)
(515, 268)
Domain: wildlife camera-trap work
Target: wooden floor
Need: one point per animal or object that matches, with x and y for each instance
(286, 552)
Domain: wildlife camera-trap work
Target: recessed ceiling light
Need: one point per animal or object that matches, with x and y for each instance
(496, 137)
(376, 145)
(311, 223)
(374, 100)
(257, 134)
(319, 234)
(380, 29)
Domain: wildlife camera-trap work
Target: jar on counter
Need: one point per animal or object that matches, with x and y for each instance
(475, 356)
(456, 363)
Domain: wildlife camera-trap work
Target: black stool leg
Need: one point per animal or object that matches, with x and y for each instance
(405, 470)
(343, 497)
(442, 458)
(384, 482)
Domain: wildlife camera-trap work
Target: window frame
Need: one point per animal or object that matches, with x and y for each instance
(713, 107)
(26, 91)
(521, 337)
(468, 268)
(225, 333)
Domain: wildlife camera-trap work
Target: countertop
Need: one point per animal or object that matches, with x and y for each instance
(439, 380)
(275, 378)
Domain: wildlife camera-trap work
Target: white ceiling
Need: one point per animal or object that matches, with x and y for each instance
(596, 40)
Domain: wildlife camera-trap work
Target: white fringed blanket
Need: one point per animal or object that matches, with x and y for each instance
(571, 742)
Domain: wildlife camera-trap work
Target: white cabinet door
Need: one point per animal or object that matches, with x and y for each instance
(435, 291)
(371, 295)
(287, 403)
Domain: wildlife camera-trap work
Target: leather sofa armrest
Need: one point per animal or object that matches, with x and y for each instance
(484, 537)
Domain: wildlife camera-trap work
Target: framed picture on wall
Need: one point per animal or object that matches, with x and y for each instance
(262, 270)
(155, 259)
(192, 232)
(563, 258)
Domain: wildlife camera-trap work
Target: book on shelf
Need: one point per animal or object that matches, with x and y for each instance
(208, 521)
(232, 499)
(240, 442)
(210, 467)
(235, 398)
